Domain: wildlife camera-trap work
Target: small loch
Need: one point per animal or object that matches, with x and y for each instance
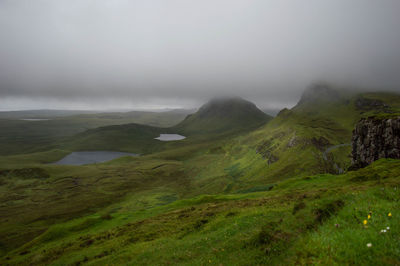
(170, 137)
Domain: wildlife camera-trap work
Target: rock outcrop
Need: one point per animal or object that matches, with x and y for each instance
(366, 104)
(375, 138)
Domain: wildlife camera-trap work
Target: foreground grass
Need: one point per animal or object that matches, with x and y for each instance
(314, 219)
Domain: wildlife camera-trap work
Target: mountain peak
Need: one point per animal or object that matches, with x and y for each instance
(227, 107)
(319, 92)
(224, 114)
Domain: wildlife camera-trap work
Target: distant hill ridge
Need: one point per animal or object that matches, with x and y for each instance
(219, 117)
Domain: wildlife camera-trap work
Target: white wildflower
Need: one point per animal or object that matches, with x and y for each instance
(369, 245)
(388, 228)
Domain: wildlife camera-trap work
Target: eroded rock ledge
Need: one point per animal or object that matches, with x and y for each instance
(375, 138)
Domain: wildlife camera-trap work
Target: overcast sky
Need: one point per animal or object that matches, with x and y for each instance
(177, 53)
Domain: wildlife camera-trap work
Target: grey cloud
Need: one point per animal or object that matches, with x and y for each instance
(181, 52)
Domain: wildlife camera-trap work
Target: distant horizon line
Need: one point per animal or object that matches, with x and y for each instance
(116, 110)
(96, 109)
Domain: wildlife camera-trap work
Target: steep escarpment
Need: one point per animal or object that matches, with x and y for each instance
(375, 138)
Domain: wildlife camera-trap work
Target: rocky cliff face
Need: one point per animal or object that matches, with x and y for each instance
(375, 138)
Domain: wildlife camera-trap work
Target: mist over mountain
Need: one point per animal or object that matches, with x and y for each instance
(229, 132)
(152, 55)
(320, 92)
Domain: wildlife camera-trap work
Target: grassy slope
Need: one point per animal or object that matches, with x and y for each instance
(292, 223)
(130, 138)
(37, 196)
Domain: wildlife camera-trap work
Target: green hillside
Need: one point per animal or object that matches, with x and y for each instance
(311, 138)
(223, 115)
(270, 196)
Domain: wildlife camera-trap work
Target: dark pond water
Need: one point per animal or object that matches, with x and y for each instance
(90, 157)
(170, 137)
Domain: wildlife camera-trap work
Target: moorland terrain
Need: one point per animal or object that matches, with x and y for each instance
(243, 188)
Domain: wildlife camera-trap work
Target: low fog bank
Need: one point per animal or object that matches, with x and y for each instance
(154, 54)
